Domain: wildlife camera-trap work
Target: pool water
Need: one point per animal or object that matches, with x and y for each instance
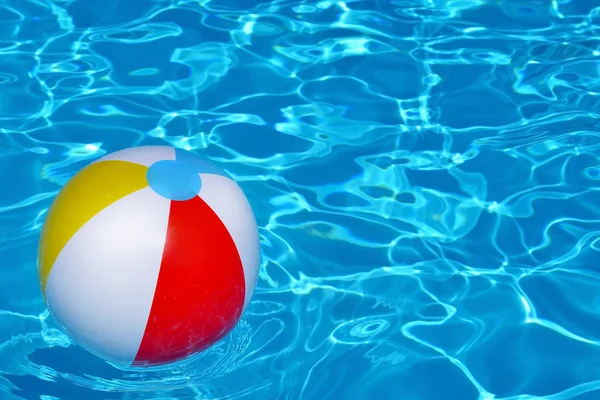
(425, 176)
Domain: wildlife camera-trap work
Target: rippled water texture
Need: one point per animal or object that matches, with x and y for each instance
(424, 174)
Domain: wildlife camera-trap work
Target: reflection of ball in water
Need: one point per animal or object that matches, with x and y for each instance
(148, 255)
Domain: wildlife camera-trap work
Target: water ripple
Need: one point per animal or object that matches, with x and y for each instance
(424, 175)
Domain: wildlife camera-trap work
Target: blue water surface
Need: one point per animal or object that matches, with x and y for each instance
(424, 173)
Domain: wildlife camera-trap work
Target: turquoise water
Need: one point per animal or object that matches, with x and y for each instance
(424, 175)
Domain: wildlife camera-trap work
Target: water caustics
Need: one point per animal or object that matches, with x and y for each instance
(424, 173)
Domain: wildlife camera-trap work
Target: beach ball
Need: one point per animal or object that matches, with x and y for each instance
(148, 255)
